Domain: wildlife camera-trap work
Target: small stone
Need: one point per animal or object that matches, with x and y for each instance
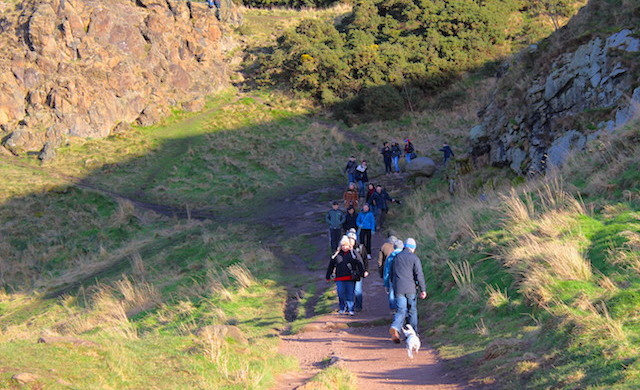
(24, 378)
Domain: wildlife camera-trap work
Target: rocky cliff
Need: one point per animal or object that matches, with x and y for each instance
(86, 67)
(551, 106)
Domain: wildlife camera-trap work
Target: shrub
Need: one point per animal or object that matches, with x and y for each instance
(382, 103)
(399, 42)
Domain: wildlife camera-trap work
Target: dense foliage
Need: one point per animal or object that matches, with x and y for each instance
(421, 43)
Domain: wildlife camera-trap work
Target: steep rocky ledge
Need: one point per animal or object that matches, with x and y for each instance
(88, 67)
(584, 93)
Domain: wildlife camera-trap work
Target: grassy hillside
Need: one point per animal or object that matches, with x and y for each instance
(537, 285)
(143, 299)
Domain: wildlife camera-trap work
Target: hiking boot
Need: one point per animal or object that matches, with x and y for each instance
(395, 336)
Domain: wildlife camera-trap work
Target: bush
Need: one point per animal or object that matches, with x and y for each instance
(422, 44)
(381, 103)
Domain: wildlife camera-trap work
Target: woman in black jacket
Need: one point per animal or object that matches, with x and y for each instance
(345, 268)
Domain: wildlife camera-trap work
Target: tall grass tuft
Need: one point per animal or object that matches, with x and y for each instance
(463, 276)
(559, 259)
(241, 275)
(137, 297)
(496, 297)
(517, 210)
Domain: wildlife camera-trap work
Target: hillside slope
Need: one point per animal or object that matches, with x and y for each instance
(579, 82)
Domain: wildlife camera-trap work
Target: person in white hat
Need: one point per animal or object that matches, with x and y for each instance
(345, 268)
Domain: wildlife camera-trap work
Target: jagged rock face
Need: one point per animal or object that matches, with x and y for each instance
(563, 108)
(81, 67)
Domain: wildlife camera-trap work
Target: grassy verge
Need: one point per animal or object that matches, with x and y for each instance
(333, 377)
(144, 300)
(537, 286)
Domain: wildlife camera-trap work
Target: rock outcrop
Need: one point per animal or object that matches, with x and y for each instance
(82, 67)
(585, 92)
(421, 166)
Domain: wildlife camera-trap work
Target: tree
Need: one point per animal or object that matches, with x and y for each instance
(555, 10)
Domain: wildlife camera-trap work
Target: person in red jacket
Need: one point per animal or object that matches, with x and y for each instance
(345, 268)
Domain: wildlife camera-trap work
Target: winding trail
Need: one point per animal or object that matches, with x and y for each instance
(360, 343)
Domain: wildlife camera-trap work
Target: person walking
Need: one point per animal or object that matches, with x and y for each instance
(398, 246)
(345, 268)
(358, 251)
(395, 156)
(361, 177)
(371, 189)
(406, 275)
(351, 196)
(384, 252)
(366, 223)
(335, 218)
(350, 170)
(409, 150)
(380, 200)
(386, 157)
(350, 219)
(447, 153)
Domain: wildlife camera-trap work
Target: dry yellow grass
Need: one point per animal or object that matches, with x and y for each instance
(561, 259)
(463, 276)
(629, 254)
(496, 298)
(241, 275)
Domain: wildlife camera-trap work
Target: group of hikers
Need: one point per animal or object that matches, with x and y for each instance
(365, 206)
(391, 155)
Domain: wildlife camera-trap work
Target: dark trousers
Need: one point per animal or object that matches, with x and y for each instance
(381, 215)
(365, 239)
(335, 235)
(387, 164)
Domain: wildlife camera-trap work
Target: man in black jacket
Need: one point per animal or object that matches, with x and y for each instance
(380, 200)
(386, 157)
(406, 275)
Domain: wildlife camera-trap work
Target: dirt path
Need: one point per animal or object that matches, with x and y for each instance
(360, 343)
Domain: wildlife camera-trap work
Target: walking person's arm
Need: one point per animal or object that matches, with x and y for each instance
(381, 262)
(330, 268)
(418, 275)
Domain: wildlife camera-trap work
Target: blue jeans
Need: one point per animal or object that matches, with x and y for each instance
(351, 177)
(392, 299)
(406, 308)
(361, 186)
(395, 160)
(358, 295)
(345, 289)
(408, 157)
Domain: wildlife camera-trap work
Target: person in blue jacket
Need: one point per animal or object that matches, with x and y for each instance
(366, 223)
(398, 246)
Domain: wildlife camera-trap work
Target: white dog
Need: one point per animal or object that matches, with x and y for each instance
(412, 340)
